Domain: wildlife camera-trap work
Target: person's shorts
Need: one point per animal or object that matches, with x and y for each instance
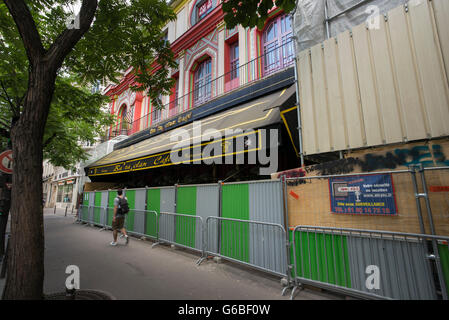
(118, 223)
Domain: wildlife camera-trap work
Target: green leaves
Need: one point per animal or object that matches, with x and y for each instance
(252, 13)
(124, 33)
(76, 116)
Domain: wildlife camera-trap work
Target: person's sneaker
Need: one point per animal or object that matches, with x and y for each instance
(127, 239)
(113, 243)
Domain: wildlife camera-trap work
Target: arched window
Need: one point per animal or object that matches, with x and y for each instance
(201, 9)
(278, 46)
(156, 115)
(202, 82)
(122, 126)
(174, 102)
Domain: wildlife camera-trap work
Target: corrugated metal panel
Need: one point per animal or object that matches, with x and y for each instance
(266, 243)
(129, 220)
(85, 209)
(235, 235)
(97, 210)
(86, 199)
(442, 24)
(112, 196)
(104, 205)
(443, 251)
(379, 86)
(207, 199)
(139, 212)
(167, 223)
(404, 271)
(322, 257)
(186, 226)
(350, 94)
(153, 204)
(91, 206)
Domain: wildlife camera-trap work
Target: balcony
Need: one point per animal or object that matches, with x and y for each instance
(272, 62)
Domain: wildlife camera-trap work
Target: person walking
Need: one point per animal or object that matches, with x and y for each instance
(121, 208)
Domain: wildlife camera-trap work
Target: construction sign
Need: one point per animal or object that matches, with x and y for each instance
(368, 195)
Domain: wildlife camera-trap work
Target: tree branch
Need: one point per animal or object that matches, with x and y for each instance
(8, 99)
(69, 37)
(27, 29)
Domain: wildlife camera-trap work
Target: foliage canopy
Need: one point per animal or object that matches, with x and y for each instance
(252, 13)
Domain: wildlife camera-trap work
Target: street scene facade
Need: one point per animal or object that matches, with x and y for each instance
(311, 150)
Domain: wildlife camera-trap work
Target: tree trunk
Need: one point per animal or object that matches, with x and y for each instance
(25, 277)
(5, 205)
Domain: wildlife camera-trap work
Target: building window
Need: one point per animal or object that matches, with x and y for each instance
(60, 192)
(68, 191)
(234, 60)
(122, 125)
(277, 44)
(156, 115)
(203, 8)
(202, 82)
(174, 102)
(165, 37)
(232, 66)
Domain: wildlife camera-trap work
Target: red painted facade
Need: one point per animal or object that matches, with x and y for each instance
(207, 40)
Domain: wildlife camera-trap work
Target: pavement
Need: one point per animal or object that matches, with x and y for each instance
(139, 271)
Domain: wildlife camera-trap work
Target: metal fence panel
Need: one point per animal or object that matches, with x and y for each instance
(236, 241)
(154, 204)
(139, 212)
(91, 207)
(186, 205)
(379, 264)
(186, 233)
(104, 204)
(266, 205)
(404, 270)
(129, 219)
(167, 223)
(207, 202)
(235, 205)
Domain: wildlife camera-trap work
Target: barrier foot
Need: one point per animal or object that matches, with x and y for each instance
(155, 244)
(284, 291)
(200, 260)
(294, 291)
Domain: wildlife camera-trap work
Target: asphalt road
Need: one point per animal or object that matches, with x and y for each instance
(138, 271)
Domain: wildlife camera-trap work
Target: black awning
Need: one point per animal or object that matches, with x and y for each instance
(242, 121)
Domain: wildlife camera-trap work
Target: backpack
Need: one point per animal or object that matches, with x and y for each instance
(123, 205)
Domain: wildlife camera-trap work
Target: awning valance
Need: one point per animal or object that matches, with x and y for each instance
(155, 152)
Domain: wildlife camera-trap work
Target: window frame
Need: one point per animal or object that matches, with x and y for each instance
(174, 99)
(277, 52)
(234, 62)
(198, 85)
(199, 16)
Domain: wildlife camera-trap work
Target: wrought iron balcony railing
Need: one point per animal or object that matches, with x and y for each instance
(269, 63)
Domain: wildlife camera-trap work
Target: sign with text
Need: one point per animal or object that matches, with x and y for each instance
(365, 195)
(228, 146)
